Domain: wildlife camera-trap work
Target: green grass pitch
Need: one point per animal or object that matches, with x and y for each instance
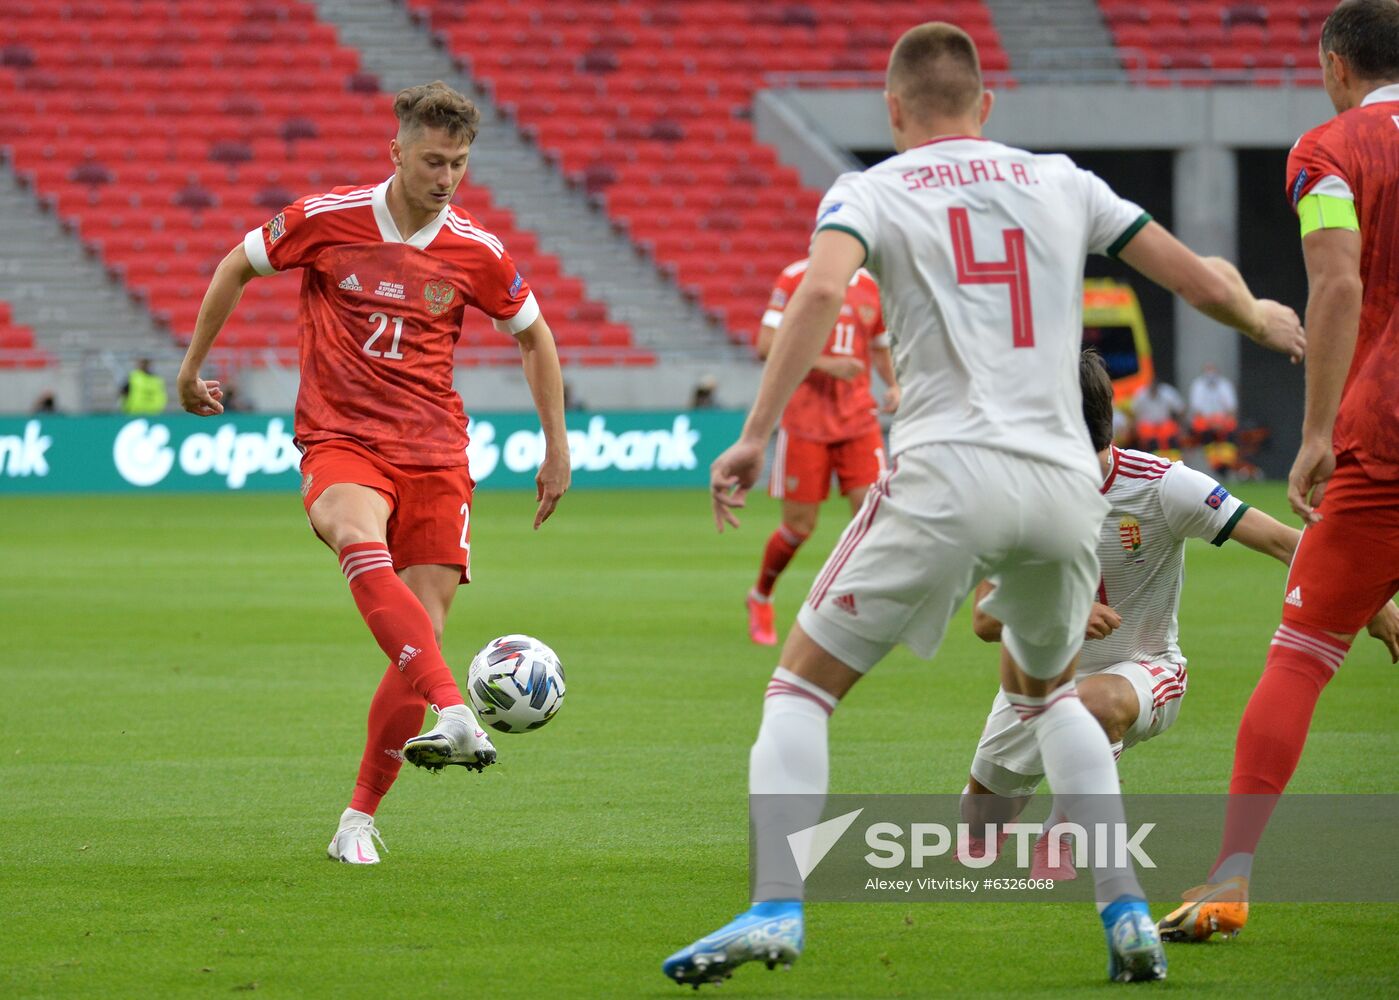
(183, 682)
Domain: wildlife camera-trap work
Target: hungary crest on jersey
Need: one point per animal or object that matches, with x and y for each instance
(1129, 529)
(439, 296)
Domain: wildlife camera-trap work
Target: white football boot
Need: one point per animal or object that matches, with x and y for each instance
(353, 842)
(456, 739)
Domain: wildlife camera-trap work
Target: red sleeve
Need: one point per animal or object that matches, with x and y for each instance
(289, 239)
(500, 291)
(1317, 155)
(787, 283)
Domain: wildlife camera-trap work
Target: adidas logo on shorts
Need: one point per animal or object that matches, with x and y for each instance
(1294, 596)
(351, 284)
(846, 603)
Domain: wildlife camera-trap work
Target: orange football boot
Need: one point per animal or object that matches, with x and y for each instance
(1212, 908)
(760, 622)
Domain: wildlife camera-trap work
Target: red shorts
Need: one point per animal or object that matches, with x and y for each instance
(1347, 566)
(429, 506)
(801, 468)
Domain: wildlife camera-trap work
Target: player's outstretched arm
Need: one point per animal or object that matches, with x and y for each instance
(1262, 533)
(1335, 293)
(200, 396)
(806, 323)
(540, 359)
(1214, 287)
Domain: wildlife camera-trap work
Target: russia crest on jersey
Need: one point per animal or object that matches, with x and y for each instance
(439, 295)
(1129, 530)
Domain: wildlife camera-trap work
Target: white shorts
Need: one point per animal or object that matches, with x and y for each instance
(1007, 758)
(945, 517)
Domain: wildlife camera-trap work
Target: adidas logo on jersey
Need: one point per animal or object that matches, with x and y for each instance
(351, 284)
(406, 657)
(1294, 597)
(846, 603)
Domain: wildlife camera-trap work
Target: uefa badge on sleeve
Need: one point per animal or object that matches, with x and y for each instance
(439, 296)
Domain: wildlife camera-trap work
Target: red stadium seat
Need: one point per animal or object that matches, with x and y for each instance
(87, 91)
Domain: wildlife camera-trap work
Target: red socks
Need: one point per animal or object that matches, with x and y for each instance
(399, 623)
(395, 717)
(1301, 661)
(781, 547)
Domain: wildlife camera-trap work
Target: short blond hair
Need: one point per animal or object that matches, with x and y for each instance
(436, 105)
(935, 71)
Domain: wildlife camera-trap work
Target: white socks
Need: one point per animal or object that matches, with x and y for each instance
(788, 759)
(1079, 766)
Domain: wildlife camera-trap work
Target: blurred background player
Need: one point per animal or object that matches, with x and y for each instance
(389, 270)
(979, 250)
(1343, 181)
(1157, 410)
(1214, 417)
(1132, 673)
(831, 426)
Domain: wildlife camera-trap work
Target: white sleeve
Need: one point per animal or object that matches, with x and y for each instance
(1198, 507)
(847, 209)
(257, 253)
(1112, 220)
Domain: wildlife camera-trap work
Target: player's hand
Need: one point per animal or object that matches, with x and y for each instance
(1307, 481)
(199, 396)
(893, 396)
(1102, 622)
(551, 483)
(1280, 330)
(731, 477)
(1385, 627)
(842, 368)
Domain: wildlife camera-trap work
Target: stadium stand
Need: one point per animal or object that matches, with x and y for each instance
(98, 96)
(1207, 42)
(647, 106)
(17, 348)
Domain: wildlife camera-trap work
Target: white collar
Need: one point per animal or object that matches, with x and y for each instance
(1389, 92)
(388, 229)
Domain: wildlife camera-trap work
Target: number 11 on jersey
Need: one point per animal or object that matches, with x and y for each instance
(1013, 272)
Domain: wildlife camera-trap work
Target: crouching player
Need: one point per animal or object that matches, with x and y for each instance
(1132, 674)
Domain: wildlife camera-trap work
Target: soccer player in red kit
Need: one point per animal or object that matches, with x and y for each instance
(1343, 181)
(388, 271)
(830, 427)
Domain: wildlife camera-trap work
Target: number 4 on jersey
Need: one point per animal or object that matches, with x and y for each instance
(1013, 272)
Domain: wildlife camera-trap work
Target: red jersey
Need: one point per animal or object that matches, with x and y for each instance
(1356, 155)
(380, 316)
(825, 408)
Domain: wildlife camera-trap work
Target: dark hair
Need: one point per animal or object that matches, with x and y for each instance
(1365, 33)
(436, 105)
(935, 71)
(1097, 397)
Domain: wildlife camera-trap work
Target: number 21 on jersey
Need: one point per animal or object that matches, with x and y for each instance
(383, 319)
(1013, 272)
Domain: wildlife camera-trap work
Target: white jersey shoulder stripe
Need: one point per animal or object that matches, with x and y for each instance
(326, 199)
(475, 237)
(464, 225)
(339, 206)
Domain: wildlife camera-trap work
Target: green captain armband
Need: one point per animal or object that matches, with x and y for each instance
(1325, 211)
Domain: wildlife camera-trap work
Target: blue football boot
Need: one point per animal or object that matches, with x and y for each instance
(768, 932)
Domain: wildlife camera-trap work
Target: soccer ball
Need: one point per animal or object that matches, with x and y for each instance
(516, 684)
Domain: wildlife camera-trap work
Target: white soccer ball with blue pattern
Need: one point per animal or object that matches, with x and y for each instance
(516, 684)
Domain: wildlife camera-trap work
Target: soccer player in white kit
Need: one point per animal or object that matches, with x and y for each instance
(979, 250)
(1131, 673)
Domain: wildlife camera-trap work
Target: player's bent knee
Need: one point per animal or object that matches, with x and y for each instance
(805, 657)
(347, 513)
(1112, 701)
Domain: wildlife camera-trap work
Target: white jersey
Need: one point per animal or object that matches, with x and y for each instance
(1155, 506)
(978, 249)
(1211, 394)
